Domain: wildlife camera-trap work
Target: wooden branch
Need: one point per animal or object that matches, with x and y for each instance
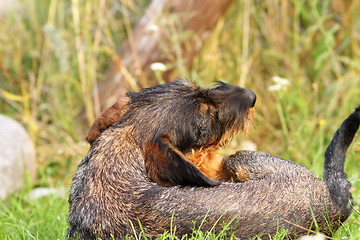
(151, 42)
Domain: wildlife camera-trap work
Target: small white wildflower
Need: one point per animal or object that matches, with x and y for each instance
(280, 80)
(248, 145)
(153, 28)
(157, 66)
(280, 84)
(318, 236)
(275, 88)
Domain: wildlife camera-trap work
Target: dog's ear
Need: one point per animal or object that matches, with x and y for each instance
(167, 166)
(108, 118)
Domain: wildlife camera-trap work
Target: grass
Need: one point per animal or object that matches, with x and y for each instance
(53, 54)
(25, 218)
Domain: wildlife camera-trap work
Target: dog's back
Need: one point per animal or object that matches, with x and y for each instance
(113, 192)
(106, 187)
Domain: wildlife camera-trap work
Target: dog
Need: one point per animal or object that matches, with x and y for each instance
(152, 165)
(204, 156)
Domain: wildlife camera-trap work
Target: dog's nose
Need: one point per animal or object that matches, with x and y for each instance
(252, 97)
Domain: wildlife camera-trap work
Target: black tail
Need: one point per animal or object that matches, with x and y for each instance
(334, 175)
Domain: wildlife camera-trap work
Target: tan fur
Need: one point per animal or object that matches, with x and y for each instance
(207, 161)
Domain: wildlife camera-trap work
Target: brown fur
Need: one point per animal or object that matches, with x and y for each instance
(206, 159)
(110, 117)
(149, 169)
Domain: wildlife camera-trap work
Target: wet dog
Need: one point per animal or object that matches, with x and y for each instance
(153, 163)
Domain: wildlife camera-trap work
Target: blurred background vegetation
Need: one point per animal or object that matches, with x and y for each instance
(301, 58)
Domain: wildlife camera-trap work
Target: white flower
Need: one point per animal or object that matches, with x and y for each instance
(274, 88)
(318, 236)
(158, 66)
(279, 80)
(280, 84)
(153, 28)
(248, 145)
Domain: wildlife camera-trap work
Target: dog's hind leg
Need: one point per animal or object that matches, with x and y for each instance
(249, 165)
(253, 165)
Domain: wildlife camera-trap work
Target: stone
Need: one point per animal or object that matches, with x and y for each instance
(44, 192)
(317, 236)
(17, 157)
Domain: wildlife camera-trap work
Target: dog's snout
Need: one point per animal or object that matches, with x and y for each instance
(252, 97)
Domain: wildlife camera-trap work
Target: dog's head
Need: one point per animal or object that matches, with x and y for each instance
(174, 119)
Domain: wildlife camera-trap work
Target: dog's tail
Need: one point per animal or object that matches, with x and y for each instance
(334, 175)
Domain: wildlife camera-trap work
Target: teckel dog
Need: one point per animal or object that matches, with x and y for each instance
(153, 161)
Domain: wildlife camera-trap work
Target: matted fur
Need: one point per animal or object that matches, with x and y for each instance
(139, 170)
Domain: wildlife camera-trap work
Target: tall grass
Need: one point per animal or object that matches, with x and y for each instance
(53, 54)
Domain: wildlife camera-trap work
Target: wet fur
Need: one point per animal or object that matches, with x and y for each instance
(125, 177)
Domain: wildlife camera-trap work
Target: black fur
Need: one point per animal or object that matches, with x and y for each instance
(334, 175)
(170, 122)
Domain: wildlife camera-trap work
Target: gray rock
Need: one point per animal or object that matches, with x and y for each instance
(17, 156)
(43, 192)
(318, 236)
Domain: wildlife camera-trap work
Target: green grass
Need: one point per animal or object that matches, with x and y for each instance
(24, 218)
(54, 53)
